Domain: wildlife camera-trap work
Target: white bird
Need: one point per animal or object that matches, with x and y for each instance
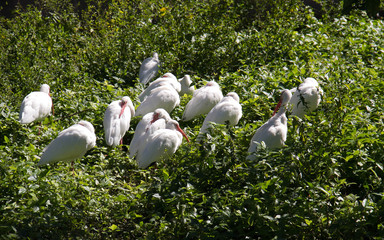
(203, 100)
(162, 144)
(149, 68)
(117, 120)
(186, 87)
(71, 143)
(165, 97)
(306, 97)
(36, 106)
(227, 110)
(274, 132)
(150, 123)
(166, 79)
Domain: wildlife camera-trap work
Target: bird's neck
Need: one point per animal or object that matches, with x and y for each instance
(281, 111)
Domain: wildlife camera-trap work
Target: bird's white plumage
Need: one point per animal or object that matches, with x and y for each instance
(36, 106)
(306, 97)
(274, 132)
(72, 143)
(149, 68)
(227, 110)
(150, 123)
(166, 79)
(117, 118)
(165, 97)
(186, 87)
(161, 144)
(203, 100)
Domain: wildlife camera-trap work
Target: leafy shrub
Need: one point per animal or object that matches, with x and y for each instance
(325, 183)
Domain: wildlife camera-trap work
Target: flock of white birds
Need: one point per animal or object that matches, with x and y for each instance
(157, 136)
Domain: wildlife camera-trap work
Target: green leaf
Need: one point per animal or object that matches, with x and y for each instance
(113, 227)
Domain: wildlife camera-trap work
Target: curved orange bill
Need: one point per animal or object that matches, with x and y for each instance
(182, 132)
(277, 107)
(122, 109)
(155, 118)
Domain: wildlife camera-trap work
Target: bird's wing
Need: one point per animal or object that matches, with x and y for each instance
(195, 106)
(111, 124)
(164, 97)
(146, 92)
(150, 129)
(35, 106)
(161, 144)
(135, 143)
(305, 100)
(27, 112)
(271, 133)
(125, 121)
(148, 70)
(226, 112)
(71, 144)
(312, 96)
(222, 113)
(139, 132)
(258, 137)
(45, 105)
(201, 103)
(151, 87)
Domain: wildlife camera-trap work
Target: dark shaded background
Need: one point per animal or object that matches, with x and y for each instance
(372, 7)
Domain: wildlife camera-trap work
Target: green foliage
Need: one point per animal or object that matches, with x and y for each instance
(371, 6)
(325, 183)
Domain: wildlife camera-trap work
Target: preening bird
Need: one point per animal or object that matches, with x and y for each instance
(186, 87)
(149, 68)
(36, 106)
(117, 120)
(166, 79)
(165, 97)
(161, 144)
(71, 143)
(150, 123)
(203, 100)
(228, 110)
(274, 132)
(306, 97)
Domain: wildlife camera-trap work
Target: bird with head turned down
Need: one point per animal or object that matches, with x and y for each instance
(203, 100)
(71, 144)
(227, 111)
(36, 106)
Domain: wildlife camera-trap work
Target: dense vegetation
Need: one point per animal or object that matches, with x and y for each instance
(326, 182)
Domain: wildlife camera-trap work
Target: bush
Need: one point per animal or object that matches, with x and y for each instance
(325, 183)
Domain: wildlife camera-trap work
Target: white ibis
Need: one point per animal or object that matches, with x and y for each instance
(161, 144)
(203, 100)
(186, 87)
(165, 97)
(148, 124)
(228, 110)
(274, 132)
(166, 79)
(149, 68)
(117, 119)
(306, 97)
(36, 106)
(71, 143)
